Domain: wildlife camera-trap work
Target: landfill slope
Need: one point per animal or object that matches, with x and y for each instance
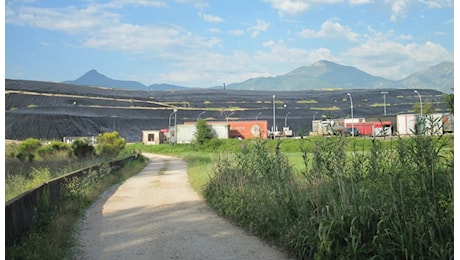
(47, 110)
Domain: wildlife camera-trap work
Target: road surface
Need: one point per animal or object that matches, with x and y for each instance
(157, 215)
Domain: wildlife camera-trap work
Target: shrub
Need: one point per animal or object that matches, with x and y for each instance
(27, 149)
(203, 132)
(110, 144)
(82, 148)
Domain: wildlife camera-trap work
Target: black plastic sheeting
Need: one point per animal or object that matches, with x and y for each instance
(47, 110)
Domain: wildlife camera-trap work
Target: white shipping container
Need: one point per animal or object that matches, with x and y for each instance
(186, 133)
(406, 124)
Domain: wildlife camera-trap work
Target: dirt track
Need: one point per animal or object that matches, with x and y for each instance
(157, 215)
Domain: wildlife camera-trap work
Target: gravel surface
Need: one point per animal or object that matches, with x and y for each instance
(157, 215)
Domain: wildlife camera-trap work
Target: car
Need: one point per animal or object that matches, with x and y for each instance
(348, 131)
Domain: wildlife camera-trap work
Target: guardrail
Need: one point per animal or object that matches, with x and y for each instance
(27, 209)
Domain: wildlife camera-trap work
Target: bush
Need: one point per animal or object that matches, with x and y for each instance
(203, 132)
(110, 144)
(82, 148)
(27, 149)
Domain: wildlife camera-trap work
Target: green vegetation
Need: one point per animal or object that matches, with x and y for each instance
(307, 102)
(392, 199)
(30, 163)
(449, 99)
(333, 108)
(54, 237)
(203, 132)
(110, 144)
(317, 197)
(380, 105)
(27, 149)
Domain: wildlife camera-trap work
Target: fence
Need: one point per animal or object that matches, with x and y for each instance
(27, 209)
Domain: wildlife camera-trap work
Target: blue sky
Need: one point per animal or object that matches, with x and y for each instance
(204, 43)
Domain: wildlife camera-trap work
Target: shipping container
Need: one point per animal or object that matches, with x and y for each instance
(373, 128)
(406, 124)
(244, 129)
(186, 132)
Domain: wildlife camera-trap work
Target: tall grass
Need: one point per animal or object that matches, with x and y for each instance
(53, 238)
(382, 199)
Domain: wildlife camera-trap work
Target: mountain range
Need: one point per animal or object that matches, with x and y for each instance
(94, 78)
(320, 75)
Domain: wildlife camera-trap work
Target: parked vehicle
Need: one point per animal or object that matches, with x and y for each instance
(348, 131)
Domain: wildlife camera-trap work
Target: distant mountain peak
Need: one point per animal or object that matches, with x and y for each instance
(325, 74)
(92, 74)
(94, 78)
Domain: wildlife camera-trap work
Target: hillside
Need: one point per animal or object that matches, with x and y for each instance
(49, 110)
(320, 75)
(329, 75)
(94, 78)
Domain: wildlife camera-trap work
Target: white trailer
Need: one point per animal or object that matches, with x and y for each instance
(186, 132)
(406, 124)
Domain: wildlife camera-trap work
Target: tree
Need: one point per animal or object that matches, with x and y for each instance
(110, 144)
(427, 108)
(449, 98)
(203, 132)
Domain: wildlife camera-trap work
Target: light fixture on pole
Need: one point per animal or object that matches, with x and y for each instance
(420, 99)
(169, 125)
(285, 119)
(229, 116)
(384, 102)
(257, 116)
(198, 118)
(175, 128)
(352, 120)
(274, 117)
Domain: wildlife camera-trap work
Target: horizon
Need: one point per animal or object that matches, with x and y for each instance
(201, 43)
(227, 84)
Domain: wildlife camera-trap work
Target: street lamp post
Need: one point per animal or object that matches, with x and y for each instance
(175, 128)
(352, 120)
(257, 116)
(420, 99)
(229, 116)
(384, 102)
(169, 125)
(200, 115)
(274, 117)
(285, 119)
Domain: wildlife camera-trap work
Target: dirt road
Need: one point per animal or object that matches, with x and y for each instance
(157, 215)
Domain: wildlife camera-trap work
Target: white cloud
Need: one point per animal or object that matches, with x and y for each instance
(103, 30)
(438, 3)
(150, 3)
(68, 20)
(359, 2)
(210, 18)
(330, 29)
(283, 56)
(394, 60)
(294, 7)
(200, 4)
(260, 26)
(236, 32)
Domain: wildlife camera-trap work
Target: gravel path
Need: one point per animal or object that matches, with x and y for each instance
(157, 215)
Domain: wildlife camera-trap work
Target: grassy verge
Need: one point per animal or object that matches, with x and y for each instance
(383, 200)
(53, 238)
